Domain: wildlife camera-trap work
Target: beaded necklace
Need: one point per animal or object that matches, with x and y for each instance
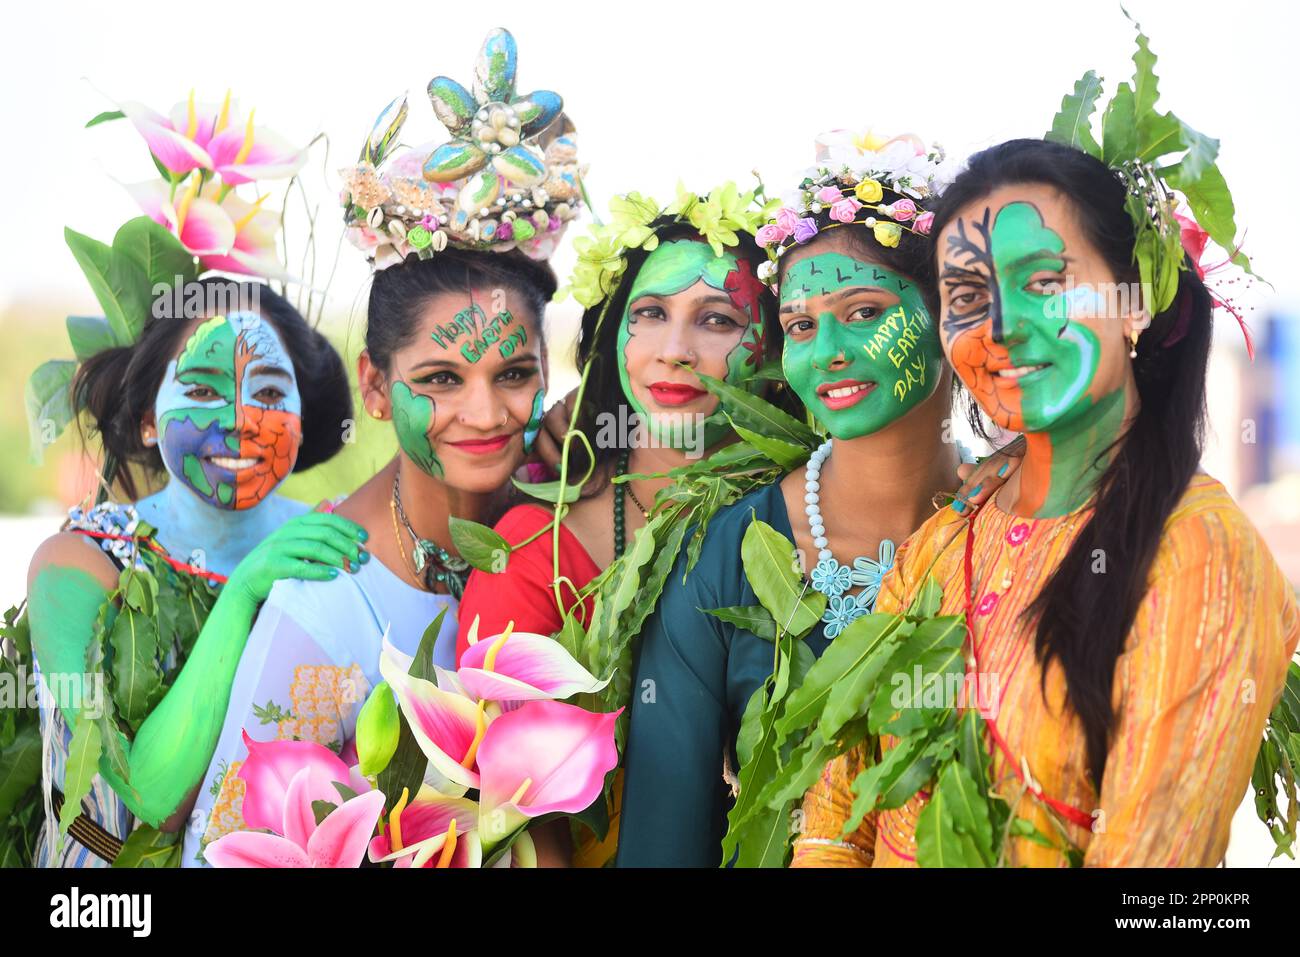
(620, 490)
(432, 563)
(830, 577)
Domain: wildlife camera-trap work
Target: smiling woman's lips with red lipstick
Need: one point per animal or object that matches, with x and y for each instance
(841, 395)
(482, 446)
(676, 393)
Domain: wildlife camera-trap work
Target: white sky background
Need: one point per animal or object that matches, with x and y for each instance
(658, 91)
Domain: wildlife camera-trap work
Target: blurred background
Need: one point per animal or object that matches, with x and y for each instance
(662, 92)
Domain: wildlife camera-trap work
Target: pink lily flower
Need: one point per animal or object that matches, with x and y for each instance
(417, 833)
(283, 779)
(543, 757)
(243, 154)
(203, 227)
(522, 667)
(253, 251)
(448, 726)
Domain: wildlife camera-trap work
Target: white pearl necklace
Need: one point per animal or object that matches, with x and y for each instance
(812, 474)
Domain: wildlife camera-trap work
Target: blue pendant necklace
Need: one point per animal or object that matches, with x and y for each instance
(830, 577)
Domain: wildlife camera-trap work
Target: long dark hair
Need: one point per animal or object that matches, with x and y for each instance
(117, 387)
(604, 394)
(400, 292)
(1082, 618)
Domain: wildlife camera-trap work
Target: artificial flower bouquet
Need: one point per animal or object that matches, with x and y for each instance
(453, 768)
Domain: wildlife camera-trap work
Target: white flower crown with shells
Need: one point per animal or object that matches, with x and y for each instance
(509, 178)
(848, 184)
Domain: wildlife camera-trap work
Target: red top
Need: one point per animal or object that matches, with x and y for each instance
(523, 592)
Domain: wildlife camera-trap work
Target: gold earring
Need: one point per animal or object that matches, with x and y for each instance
(375, 413)
(1133, 339)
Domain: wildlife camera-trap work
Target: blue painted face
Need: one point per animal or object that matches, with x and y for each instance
(229, 412)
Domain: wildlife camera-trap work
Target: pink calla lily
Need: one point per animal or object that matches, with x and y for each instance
(244, 154)
(423, 826)
(544, 756)
(447, 726)
(169, 142)
(340, 840)
(253, 251)
(525, 667)
(271, 767)
(203, 227)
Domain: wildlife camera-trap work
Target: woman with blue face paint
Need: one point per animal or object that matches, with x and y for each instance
(228, 406)
(860, 351)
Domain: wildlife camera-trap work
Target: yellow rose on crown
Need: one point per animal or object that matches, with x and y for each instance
(869, 191)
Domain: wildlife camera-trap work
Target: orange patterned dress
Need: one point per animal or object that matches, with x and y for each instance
(1202, 668)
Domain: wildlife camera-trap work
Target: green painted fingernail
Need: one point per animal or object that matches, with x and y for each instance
(1003, 469)
(365, 556)
(334, 573)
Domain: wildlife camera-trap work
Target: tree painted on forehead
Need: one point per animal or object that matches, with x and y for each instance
(1019, 327)
(220, 355)
(674, 267)
(899, 350)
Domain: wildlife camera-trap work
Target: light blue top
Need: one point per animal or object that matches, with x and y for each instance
(310, 662)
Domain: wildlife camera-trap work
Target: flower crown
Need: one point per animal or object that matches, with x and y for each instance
(849, 185)
(1158, 158)
(509, 177)
(718, 216)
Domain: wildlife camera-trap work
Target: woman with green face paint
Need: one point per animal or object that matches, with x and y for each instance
(1128, 631)
(455, 359)
(666, 308)
(228, 405)
(861, 351)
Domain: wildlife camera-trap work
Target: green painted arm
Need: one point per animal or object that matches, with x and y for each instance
(174, 744)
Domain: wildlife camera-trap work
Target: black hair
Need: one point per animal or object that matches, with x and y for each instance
(118, 386)
(1083, 619)
(399, 293)
(913, 257)
(604, 393)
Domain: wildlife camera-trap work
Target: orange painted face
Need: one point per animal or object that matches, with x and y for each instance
(229, 412)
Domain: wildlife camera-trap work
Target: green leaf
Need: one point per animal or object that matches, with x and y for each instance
(748, 410)
(1145, 82)
(156, 250)
(322, 809)
(1119, 128)
(49, 404)
(83, 762)
(149, 847)
(137, 677)
(772, 570)
(785, 454)
(422, 663)
(89, 335)
(752, 618)
(104, 118)
(479, 545)
(867, 640)
(549, 491)
(935, 644)
(119, 283)
(20, 768)
(970, 814)
(870, 785)
(406, 769)
(927, 601)
(1211, 204)
(1072, 124)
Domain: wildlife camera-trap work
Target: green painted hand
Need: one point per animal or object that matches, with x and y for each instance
(312, 547)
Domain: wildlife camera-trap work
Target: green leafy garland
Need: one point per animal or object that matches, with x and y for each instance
(143, 634)
(1155, 154)
(810, 711)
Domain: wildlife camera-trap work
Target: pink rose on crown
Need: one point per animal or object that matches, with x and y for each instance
(903, 210)
(924, 223)
(786, 218)
(829, 195)
(769, 235)
(845, 210)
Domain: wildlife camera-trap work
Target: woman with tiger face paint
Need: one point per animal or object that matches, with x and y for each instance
(1118, 601)
(228, 405)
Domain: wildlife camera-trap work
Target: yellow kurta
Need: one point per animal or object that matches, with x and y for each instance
(1202, 667)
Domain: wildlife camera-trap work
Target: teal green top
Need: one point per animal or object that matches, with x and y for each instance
(704, 671)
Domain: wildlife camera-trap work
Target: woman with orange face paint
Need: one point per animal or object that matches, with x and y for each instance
(1127, 629)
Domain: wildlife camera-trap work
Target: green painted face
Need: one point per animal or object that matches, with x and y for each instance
(673, 268)
(860, 349)
(413, 417)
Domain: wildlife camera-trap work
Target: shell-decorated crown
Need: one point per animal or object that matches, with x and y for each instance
(509, 177)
